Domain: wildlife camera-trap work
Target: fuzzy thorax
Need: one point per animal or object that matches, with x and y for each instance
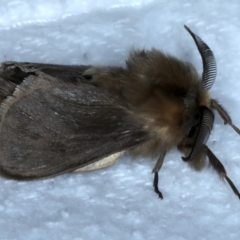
(162, 91)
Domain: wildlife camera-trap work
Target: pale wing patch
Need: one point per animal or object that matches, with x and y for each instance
(102, 163)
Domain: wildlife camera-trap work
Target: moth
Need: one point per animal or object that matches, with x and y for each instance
(60, 118)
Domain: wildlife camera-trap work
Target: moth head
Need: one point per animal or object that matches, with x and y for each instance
(202, 117)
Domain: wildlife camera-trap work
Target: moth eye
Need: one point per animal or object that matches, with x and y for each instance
(195, 124)
(87, 77)
(196, 120)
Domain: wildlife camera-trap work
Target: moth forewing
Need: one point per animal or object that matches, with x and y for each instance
(49, 127)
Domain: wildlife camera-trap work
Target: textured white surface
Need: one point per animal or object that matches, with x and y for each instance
(119, 202)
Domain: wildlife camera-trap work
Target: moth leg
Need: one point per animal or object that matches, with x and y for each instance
(224, 115)
(218, 166)
(155, 170)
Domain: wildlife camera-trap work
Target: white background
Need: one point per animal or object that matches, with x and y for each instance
(119, 202)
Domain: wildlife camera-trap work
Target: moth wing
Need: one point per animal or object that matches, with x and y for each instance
(13, 74)
(49, 126)
(16, 72)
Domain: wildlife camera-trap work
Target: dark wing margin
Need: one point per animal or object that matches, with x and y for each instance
(49, 126)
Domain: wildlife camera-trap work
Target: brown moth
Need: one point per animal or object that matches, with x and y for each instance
(57, 118)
